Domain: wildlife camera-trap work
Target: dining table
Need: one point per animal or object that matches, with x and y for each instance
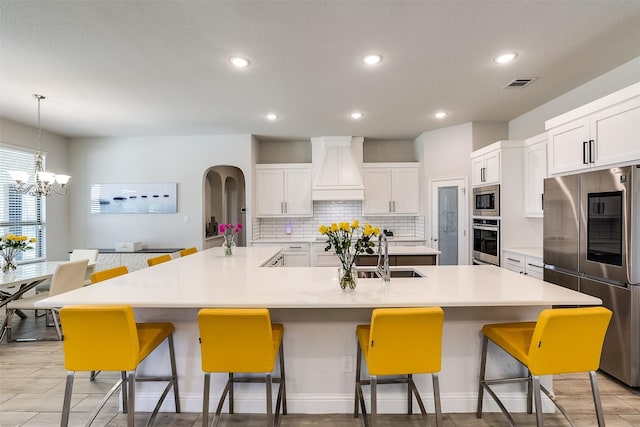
(14, 284)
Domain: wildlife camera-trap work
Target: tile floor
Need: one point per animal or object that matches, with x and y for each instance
(32, 385)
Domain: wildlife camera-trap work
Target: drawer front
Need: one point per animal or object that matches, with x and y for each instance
(534, 267)
(514, 262)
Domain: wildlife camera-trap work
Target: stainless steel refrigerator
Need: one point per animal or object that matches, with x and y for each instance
(591, 238)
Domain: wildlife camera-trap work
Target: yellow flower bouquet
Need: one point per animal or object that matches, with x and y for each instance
(10, 245)
(349, 241)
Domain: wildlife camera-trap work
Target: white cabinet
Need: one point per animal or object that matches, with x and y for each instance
(322, 258)
(283, 190)
(602, 133)
(486, 169)
(392, 189)
(133, 261)
(526, 264)
(296, 254)
(535, 172)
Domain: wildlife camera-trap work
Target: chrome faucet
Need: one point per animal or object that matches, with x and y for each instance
(383, 269)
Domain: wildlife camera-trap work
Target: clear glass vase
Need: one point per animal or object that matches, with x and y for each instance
(348, 278)
(229, 244)
(9, 264)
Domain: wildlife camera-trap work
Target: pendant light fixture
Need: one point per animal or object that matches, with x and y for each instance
(44, 182)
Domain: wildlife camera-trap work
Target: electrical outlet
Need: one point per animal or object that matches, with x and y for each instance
(347, 364)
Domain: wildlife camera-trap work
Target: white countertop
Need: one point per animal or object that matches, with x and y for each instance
(208, 278)
(536, 252)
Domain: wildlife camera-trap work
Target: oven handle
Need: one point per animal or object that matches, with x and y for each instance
(485, 227)
(480, 262)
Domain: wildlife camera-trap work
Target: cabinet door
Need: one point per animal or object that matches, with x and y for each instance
(492, 168)
(405, 184)
(616, 132)
(296, 259)
(477, 171)
(107, 261)
(269, 192)
(568, 147)
(377, 191)
(298, 192)
(535, 171)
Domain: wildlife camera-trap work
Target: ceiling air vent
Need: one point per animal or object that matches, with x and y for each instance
(519, 83)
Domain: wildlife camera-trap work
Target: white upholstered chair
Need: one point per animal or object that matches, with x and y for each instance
(76, 255)
(67, 277)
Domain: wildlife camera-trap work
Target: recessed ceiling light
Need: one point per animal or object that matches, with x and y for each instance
(505, 57)
(356, 115)
(372, 59)
(239, 61)
(440, 115)
(272, 116)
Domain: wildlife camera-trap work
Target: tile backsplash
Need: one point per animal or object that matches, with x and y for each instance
(334, 211)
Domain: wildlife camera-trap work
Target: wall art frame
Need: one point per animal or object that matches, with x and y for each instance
(134, 198)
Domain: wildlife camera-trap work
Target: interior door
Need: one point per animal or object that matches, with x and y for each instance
(449, 220)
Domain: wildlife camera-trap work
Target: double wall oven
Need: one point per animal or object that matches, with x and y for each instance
(486, 225)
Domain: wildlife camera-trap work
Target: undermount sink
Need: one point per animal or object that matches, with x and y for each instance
(372, 273)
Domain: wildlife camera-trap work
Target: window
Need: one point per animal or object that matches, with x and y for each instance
(21, 214)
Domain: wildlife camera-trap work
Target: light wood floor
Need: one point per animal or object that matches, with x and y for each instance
(32, 385)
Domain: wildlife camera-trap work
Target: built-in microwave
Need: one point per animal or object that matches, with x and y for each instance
(486, 201)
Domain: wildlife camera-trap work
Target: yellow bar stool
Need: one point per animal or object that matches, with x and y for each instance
(563, 340)
(107, 338)
(188, 251)
(110, 273)
(241, 341)
(100, 276)
(158, 260)
(400, 341)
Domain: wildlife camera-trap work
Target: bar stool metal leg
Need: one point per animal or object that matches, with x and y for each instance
(205, 400)
(436, 398)
(596, 398)
(66, 404)
(374, 399)
(174, 374)
(538, 399)
(483, 366)
(131, 380)
(269, 383)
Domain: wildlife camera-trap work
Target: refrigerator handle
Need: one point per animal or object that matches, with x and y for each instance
(584, 152)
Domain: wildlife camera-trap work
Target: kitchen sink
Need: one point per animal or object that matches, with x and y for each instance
(372, 273)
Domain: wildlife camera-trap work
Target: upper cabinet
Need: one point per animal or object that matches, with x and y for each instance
(535, 171)
(283, 190)
(602, 133)
(392, 189)
(486, 168)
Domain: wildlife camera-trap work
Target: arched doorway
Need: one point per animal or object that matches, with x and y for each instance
(224, 203)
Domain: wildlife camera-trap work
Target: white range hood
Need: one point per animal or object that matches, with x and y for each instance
(337, 165)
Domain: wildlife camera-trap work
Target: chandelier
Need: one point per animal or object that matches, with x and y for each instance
(44, 182)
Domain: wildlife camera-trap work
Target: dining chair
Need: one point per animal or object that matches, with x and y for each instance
(107, 337)
(561, 341)
(67, 277)
(76, 255)
(158, 260)
(399, 343)
(109, 273)
(241, 341)
(188, 251)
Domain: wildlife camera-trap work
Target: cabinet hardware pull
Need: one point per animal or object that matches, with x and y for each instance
(390, 206)
(533, 265)
(394, 205)
(514, 260)
(591, 141)
(286, 208)
(584, 152)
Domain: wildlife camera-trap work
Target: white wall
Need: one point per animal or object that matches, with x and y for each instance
(181, 159)
(56, 149)
(532, 123)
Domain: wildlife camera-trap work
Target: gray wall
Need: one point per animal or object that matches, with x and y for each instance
(57, 160)
(532, 123)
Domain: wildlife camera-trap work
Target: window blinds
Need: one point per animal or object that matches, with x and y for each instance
(21, 214)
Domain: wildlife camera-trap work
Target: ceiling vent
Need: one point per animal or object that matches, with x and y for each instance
(519, 83)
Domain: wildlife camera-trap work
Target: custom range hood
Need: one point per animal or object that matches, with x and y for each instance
(337, 164)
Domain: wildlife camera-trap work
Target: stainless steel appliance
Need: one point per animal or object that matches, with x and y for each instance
(591, 244)
(486, 241)
(486, 201)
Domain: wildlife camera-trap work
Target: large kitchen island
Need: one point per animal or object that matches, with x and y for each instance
(320, 319)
